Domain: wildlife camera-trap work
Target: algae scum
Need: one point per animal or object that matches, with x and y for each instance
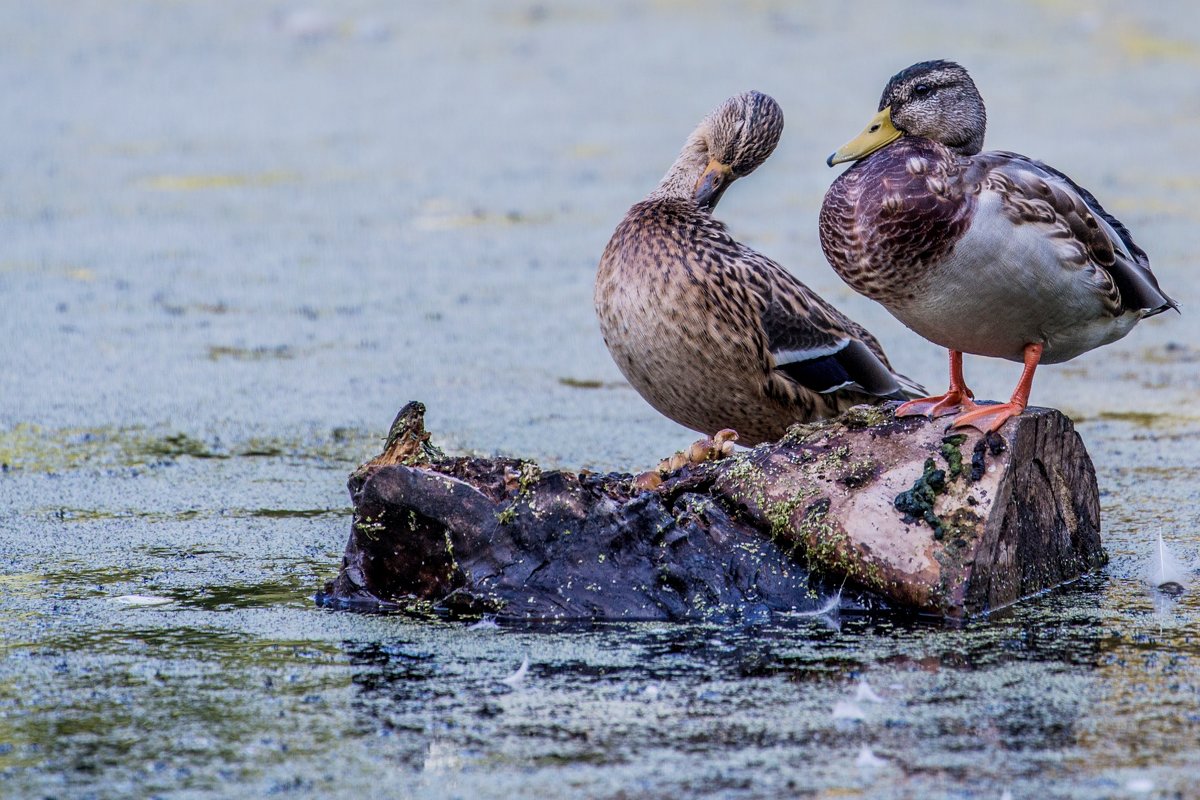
(173, 648)
(238, 237)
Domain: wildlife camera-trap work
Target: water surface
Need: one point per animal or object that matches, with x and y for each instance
(238, 237)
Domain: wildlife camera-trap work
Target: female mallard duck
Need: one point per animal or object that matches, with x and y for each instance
(988, 253)
(713, 334)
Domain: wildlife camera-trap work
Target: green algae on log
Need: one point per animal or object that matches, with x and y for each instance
(865, 511)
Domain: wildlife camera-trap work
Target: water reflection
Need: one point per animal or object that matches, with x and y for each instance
(1011, 690)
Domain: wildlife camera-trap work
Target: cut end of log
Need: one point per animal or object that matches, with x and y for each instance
(904, 513)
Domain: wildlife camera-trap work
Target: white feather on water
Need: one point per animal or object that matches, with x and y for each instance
(865, 694)
(141, 600)
(850, 709)
(831, 607)
(442, 757)
(847, 709)
(868, 760)
(1165, 570)
(1139, 785)
(518, 677)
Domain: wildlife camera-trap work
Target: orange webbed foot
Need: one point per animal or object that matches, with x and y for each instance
(991, 418)
(988, 418)
(952, 402)
(957, 398)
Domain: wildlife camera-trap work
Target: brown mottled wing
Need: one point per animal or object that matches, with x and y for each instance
(892, 215)
(1089, 237)
(811, 342)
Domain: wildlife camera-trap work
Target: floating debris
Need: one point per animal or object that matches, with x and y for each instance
(1140, 785)
(865, 694)
(1165, 572)
(847, 709)
(442, 757)
(518, 677)
(142, 600)
(868, 760)
(307, 25)
(831, 607)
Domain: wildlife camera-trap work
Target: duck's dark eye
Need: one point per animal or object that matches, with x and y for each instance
(921, 89)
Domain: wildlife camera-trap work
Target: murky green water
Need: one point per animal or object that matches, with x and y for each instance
(237, 237)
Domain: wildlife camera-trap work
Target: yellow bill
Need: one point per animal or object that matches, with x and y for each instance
(879, 131)
(712, 184)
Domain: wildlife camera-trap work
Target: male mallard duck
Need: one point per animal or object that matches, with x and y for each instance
(713, 334)
(987, 253)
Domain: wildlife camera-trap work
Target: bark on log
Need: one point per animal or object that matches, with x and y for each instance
(865, 511)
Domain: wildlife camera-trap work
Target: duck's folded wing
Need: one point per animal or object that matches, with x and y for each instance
(1035, 193)
(819, 348)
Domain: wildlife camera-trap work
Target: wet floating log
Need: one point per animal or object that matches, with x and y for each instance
(863, 511)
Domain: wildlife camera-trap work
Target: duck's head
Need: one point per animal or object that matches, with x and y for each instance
(936, 100)
(735, 138)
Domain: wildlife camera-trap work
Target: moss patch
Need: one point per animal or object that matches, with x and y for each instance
(859, 473)
(528, 475)
(917, 502)
(804, 432)
(33, 448)
(779, 514)
(828, 549)
(953, 455)
(859, 417)
(750, 480)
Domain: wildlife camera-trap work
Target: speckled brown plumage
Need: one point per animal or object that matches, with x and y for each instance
(893, 215)
(1039, 194)
(713, 334)
(990, 253)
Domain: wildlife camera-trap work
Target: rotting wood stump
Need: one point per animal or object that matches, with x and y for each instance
(865, 512)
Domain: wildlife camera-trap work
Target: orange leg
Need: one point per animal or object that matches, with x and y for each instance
(957, 399)
(990, 418)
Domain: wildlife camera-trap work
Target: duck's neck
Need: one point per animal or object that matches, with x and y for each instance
(680, 181)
